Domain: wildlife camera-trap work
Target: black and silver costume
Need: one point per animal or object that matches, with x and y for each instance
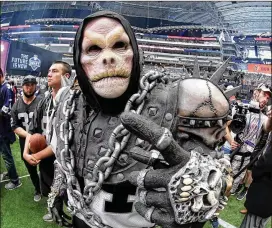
(148, 150)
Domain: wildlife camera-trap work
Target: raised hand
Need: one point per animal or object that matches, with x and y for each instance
(189, 190)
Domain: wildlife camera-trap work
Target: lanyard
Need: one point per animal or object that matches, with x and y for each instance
(259, 122)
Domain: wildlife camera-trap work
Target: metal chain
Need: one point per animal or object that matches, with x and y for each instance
(103, 167)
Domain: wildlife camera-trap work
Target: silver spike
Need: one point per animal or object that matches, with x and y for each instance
(233, 91)
(207, 123)
(205, 75)
(196, 72)
(220, 123)
(192, 122)
(185, 73)
(218, 74)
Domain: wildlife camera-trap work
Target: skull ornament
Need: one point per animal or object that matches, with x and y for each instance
(194, 190)
(107, 57)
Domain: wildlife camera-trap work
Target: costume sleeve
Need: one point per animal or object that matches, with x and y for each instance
(14, 121)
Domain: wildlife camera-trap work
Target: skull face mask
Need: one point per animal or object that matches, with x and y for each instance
(107, 57)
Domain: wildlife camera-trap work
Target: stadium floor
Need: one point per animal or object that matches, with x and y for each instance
(18, 209)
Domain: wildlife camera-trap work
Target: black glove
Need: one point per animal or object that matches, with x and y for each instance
(187, 191)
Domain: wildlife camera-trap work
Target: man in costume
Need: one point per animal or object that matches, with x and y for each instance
(21, 115)
(133, 150)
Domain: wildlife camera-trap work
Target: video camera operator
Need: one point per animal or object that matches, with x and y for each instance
(249, 124)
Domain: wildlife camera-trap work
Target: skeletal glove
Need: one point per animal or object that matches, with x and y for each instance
(189, 190)
(55, 201)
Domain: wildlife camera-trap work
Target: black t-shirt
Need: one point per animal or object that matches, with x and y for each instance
(41, 115)
(22, 113)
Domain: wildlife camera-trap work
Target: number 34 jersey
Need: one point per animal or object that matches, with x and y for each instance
(22, 113)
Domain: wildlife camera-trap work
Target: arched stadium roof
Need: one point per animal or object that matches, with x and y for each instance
(245, 17)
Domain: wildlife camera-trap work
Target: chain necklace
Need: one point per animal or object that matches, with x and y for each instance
(80, 202)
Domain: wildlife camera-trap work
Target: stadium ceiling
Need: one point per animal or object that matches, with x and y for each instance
(246, 17)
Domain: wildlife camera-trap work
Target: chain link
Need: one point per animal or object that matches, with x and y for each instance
(104, 165)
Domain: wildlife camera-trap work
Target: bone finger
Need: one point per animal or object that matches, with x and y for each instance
(198, 203)
(211, 198)
(214, 178)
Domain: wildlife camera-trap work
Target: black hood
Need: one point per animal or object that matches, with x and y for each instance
(108, 106)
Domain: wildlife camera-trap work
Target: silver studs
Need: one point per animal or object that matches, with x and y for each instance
(90, 164)
(97, 133)
(139, 142)
(168, 116)
(192, 122)
(113, 120)
(123, 158)
(120, 176)
(102, 151)
(207, 123)
(220, 123)
(152, 111)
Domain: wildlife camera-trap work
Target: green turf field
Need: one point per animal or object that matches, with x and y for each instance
(18, 209)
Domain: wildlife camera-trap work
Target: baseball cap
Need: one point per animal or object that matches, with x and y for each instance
(29, 79)
(264, 88)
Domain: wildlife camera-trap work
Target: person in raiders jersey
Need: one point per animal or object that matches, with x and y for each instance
(21, 115)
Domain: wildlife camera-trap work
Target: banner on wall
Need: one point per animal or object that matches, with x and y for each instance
(4, 54)
(259, 68)
(25, 61)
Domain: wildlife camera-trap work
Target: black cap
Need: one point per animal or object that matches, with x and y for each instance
(29, 79)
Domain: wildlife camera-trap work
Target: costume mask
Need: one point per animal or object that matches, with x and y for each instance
(107, 57)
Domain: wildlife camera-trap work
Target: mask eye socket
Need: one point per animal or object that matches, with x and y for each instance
(119, 45)
(94, 48)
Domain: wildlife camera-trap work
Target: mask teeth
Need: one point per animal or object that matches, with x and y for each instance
(196, 72)
(233, 91)
(218, 74)
(220, 123)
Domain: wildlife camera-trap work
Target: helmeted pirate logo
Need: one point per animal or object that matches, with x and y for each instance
(34, 62)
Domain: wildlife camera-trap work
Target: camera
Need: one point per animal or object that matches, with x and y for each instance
(239, 119)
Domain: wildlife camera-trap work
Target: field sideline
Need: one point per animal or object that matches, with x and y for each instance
(18, 209)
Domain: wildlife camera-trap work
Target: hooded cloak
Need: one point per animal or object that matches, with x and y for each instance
(96, 102)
